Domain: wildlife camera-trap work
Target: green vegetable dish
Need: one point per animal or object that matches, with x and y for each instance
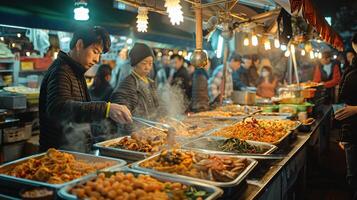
(239, 146)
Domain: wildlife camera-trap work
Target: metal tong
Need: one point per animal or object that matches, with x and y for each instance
(170, 131)
(251, 114)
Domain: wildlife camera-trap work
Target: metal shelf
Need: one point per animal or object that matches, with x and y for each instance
(6, 70)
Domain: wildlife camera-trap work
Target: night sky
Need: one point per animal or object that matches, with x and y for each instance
(330, 7)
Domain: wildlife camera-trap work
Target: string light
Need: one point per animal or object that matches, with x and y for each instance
(246, 41)
(171, 53)
(276, 43)
(316, 54)
(254, 40)
(312, 56)
(267, 45)
(173, 8)
(319, 55)
(303, 52)
(180, 53)
(28, 53)
(2, 38)
(334, 56)
(142, 19)
(18, 35)
(283, 47)
(292, 48)
(287, 53)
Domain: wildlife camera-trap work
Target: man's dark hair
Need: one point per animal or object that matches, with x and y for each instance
(92, 35)
(255, 57)
(354, 38)
(177, 56)
(326, 54)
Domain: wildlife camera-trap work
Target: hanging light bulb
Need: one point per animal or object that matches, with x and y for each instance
(2, 38)
(142, 19)
(316, 54)
(319, 55)
(246, 41)
(292, 48)
(254, 40)
(81, 11)
(283, 47)
(173, 8)
(287, 53)
(267, 44)
(312, 56)
(303, 52)
(276, 43)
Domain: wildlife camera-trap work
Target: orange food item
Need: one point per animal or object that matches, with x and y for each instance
(55, 167)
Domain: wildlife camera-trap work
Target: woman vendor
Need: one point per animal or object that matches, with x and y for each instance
(138, 92)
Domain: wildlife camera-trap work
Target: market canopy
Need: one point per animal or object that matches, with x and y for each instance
(310, 13)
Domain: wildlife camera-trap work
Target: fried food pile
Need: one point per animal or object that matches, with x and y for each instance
(197, 165)
(55, 167)
(129, 186)
(269, 131)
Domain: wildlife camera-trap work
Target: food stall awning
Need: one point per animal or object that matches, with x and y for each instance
(59, 16)
(308, 10)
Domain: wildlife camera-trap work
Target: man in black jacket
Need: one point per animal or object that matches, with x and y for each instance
(181, 77)
(348, 117)
(65, 104)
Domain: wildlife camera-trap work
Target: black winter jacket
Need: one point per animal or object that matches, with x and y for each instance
(348, 95)
(65, 105)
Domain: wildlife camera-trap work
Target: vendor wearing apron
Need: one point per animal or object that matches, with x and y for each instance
(138, 92)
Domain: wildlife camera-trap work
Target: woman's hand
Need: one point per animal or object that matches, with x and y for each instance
(346, 112)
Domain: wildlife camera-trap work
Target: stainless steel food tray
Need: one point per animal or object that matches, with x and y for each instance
(203, 144)
(251, 164)
(106, 150)
(6, 179)
(273, 143)
(214, 192)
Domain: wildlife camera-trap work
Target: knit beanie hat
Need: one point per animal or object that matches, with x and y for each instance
(139, 52)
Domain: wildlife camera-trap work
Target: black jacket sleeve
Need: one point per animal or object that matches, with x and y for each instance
(60, 103)
(126, 93)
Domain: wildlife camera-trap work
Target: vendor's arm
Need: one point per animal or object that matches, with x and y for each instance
(60, 103)
(335, 78)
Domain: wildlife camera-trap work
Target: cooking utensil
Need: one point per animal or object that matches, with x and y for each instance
(162, 127)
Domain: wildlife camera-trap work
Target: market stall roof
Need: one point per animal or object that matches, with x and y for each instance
(59, 16)
(309, 11)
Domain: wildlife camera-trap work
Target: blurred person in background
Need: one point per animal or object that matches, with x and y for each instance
(328, 73)
(342, 61)
(241, 77)
(101, 89)
(215, 81)
(253, 70)
(350, 55)
(267, 83)
(181, 78)
(122, 68)
(166, 71)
